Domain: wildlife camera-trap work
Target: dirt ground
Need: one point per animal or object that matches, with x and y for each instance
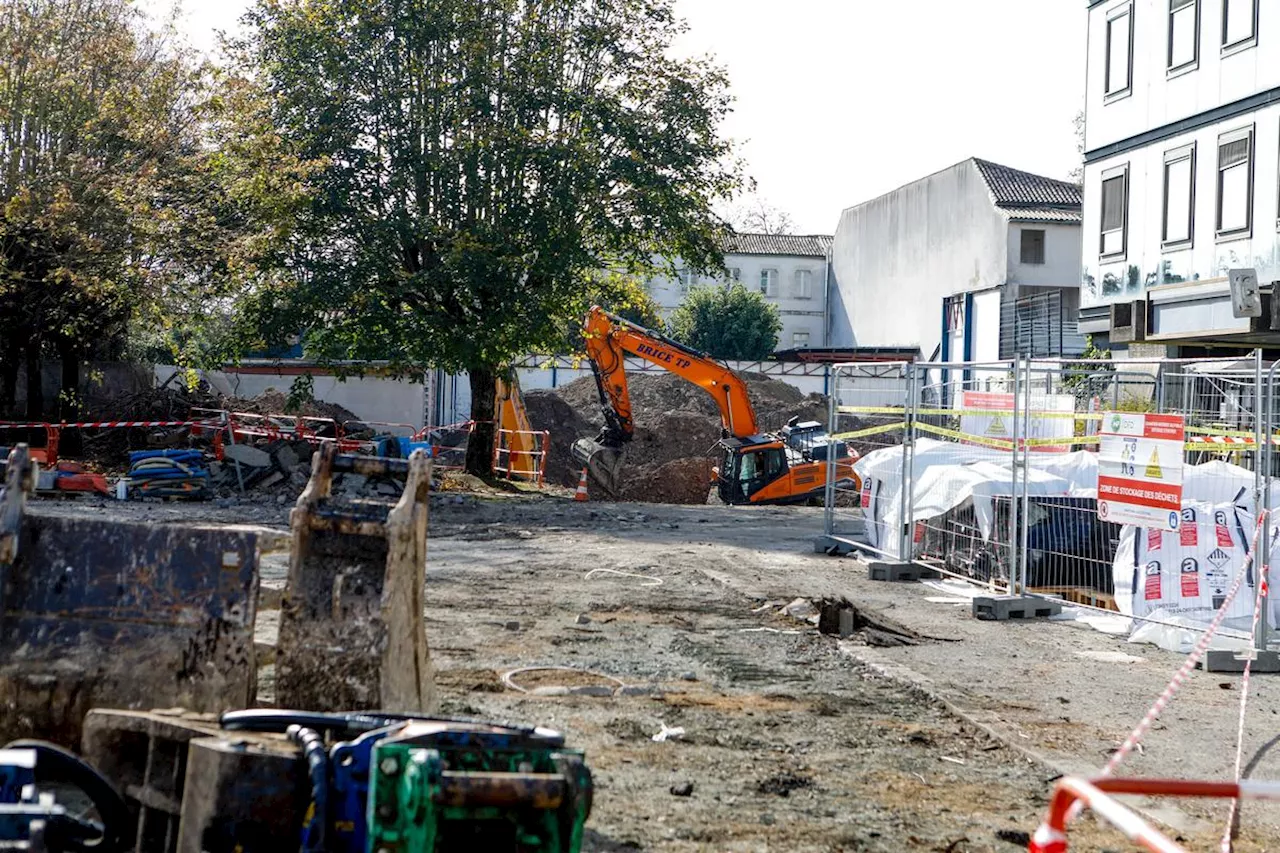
(792, 741)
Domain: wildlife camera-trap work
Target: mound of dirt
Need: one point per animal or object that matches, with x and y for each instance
(677, 425)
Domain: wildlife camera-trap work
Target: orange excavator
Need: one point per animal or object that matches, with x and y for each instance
(754, 468)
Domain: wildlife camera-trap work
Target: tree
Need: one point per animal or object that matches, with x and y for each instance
(755, 215)
(483, 159)
(728, 323)
(120, 209)
(1077, 174)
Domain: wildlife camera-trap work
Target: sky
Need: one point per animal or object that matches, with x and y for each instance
(840, 101)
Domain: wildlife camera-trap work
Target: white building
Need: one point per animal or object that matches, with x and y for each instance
(974, 263)
(792, 272)
(1181, 182)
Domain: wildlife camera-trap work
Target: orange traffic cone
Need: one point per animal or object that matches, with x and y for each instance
(581, 494)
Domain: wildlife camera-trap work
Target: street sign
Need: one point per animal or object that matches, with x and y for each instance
(1140, 469)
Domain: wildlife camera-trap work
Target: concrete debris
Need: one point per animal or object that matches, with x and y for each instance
(803, 610)
(246, 455)
(683, 789)
(667, 734)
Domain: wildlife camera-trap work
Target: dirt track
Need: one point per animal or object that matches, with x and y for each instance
(793, 741)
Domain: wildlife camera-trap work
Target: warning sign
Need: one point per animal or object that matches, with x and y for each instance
(1153, 467)
(1131, 492)
(990, 414)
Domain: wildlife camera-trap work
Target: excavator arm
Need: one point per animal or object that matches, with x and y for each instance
(608, 339)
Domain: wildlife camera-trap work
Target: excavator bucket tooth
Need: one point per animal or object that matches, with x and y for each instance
(604, 464)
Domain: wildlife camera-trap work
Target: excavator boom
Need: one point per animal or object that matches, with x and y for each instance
(608, 339)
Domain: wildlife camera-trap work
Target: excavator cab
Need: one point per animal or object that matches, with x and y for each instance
(747, 468)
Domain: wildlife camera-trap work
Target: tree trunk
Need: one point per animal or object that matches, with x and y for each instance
(69, 398)
(480, 445)
(35, 381)
(10, 363)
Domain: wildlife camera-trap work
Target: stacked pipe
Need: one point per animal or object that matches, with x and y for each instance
(168, 474)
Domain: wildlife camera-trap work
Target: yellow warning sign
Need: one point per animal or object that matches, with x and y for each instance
(1153, 467)
(997, 427)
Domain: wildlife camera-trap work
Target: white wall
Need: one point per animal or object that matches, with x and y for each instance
(1145, 264)
(540, 372)
(896, 258)
(798, 315)
(1157, 99)
(370, 398)
(1061, 267)
(986, 326)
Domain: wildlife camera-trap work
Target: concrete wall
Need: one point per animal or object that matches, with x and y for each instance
(371, 397)
(898, 256)
(1061, 267)
(1157, 97)
(1145, 264)
(799, 315)
(538, 372)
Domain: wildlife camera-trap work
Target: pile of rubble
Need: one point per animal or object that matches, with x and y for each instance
(677, 428)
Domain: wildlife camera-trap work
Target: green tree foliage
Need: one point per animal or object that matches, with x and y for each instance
(482, 159)
(125, 199)
(727, 322)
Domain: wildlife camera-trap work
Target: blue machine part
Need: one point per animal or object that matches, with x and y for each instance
(349, 764)
(17, 770)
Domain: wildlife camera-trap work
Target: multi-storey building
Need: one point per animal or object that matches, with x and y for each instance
(792, 271)
(1182, 169)
(973, 263)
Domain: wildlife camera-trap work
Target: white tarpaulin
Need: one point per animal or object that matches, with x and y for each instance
(946, 475)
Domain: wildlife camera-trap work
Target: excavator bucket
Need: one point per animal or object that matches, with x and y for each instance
(604, 463)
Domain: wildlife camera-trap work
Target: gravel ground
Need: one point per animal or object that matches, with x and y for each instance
(793, 740)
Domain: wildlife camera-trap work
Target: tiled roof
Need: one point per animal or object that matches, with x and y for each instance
(1043, 214)
(795, 245)
(1012, 189)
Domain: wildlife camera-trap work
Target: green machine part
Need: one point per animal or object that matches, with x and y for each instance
(424, 799)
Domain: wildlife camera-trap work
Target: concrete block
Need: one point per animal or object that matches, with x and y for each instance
(899, 572)
(246, 455)
(1001, 608)
(833, 546)
(1226, 660)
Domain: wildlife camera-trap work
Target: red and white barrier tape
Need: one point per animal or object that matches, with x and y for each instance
(96, 424)
(1259, 595)
(1136, 736)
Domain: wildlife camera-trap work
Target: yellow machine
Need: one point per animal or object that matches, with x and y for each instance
(515, 444)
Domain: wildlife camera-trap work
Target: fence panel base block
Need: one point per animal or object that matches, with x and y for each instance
(1225, 660)
(834, 546)
(899, 572)
(1001, 608)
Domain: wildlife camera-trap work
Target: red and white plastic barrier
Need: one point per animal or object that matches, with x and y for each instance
(1073, 794)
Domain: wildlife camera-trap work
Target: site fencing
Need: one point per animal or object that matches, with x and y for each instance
(988, 472)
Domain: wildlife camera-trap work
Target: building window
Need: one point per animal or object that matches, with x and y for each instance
(1239, 24)
(1179, 196)
(687, 280)
(735, 273)
(1119, 52)
(1235, 183)
(1032, 246)
(1184, 34)
(1115, 212)
(799, 340)
(769, 282)
(804, 284)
